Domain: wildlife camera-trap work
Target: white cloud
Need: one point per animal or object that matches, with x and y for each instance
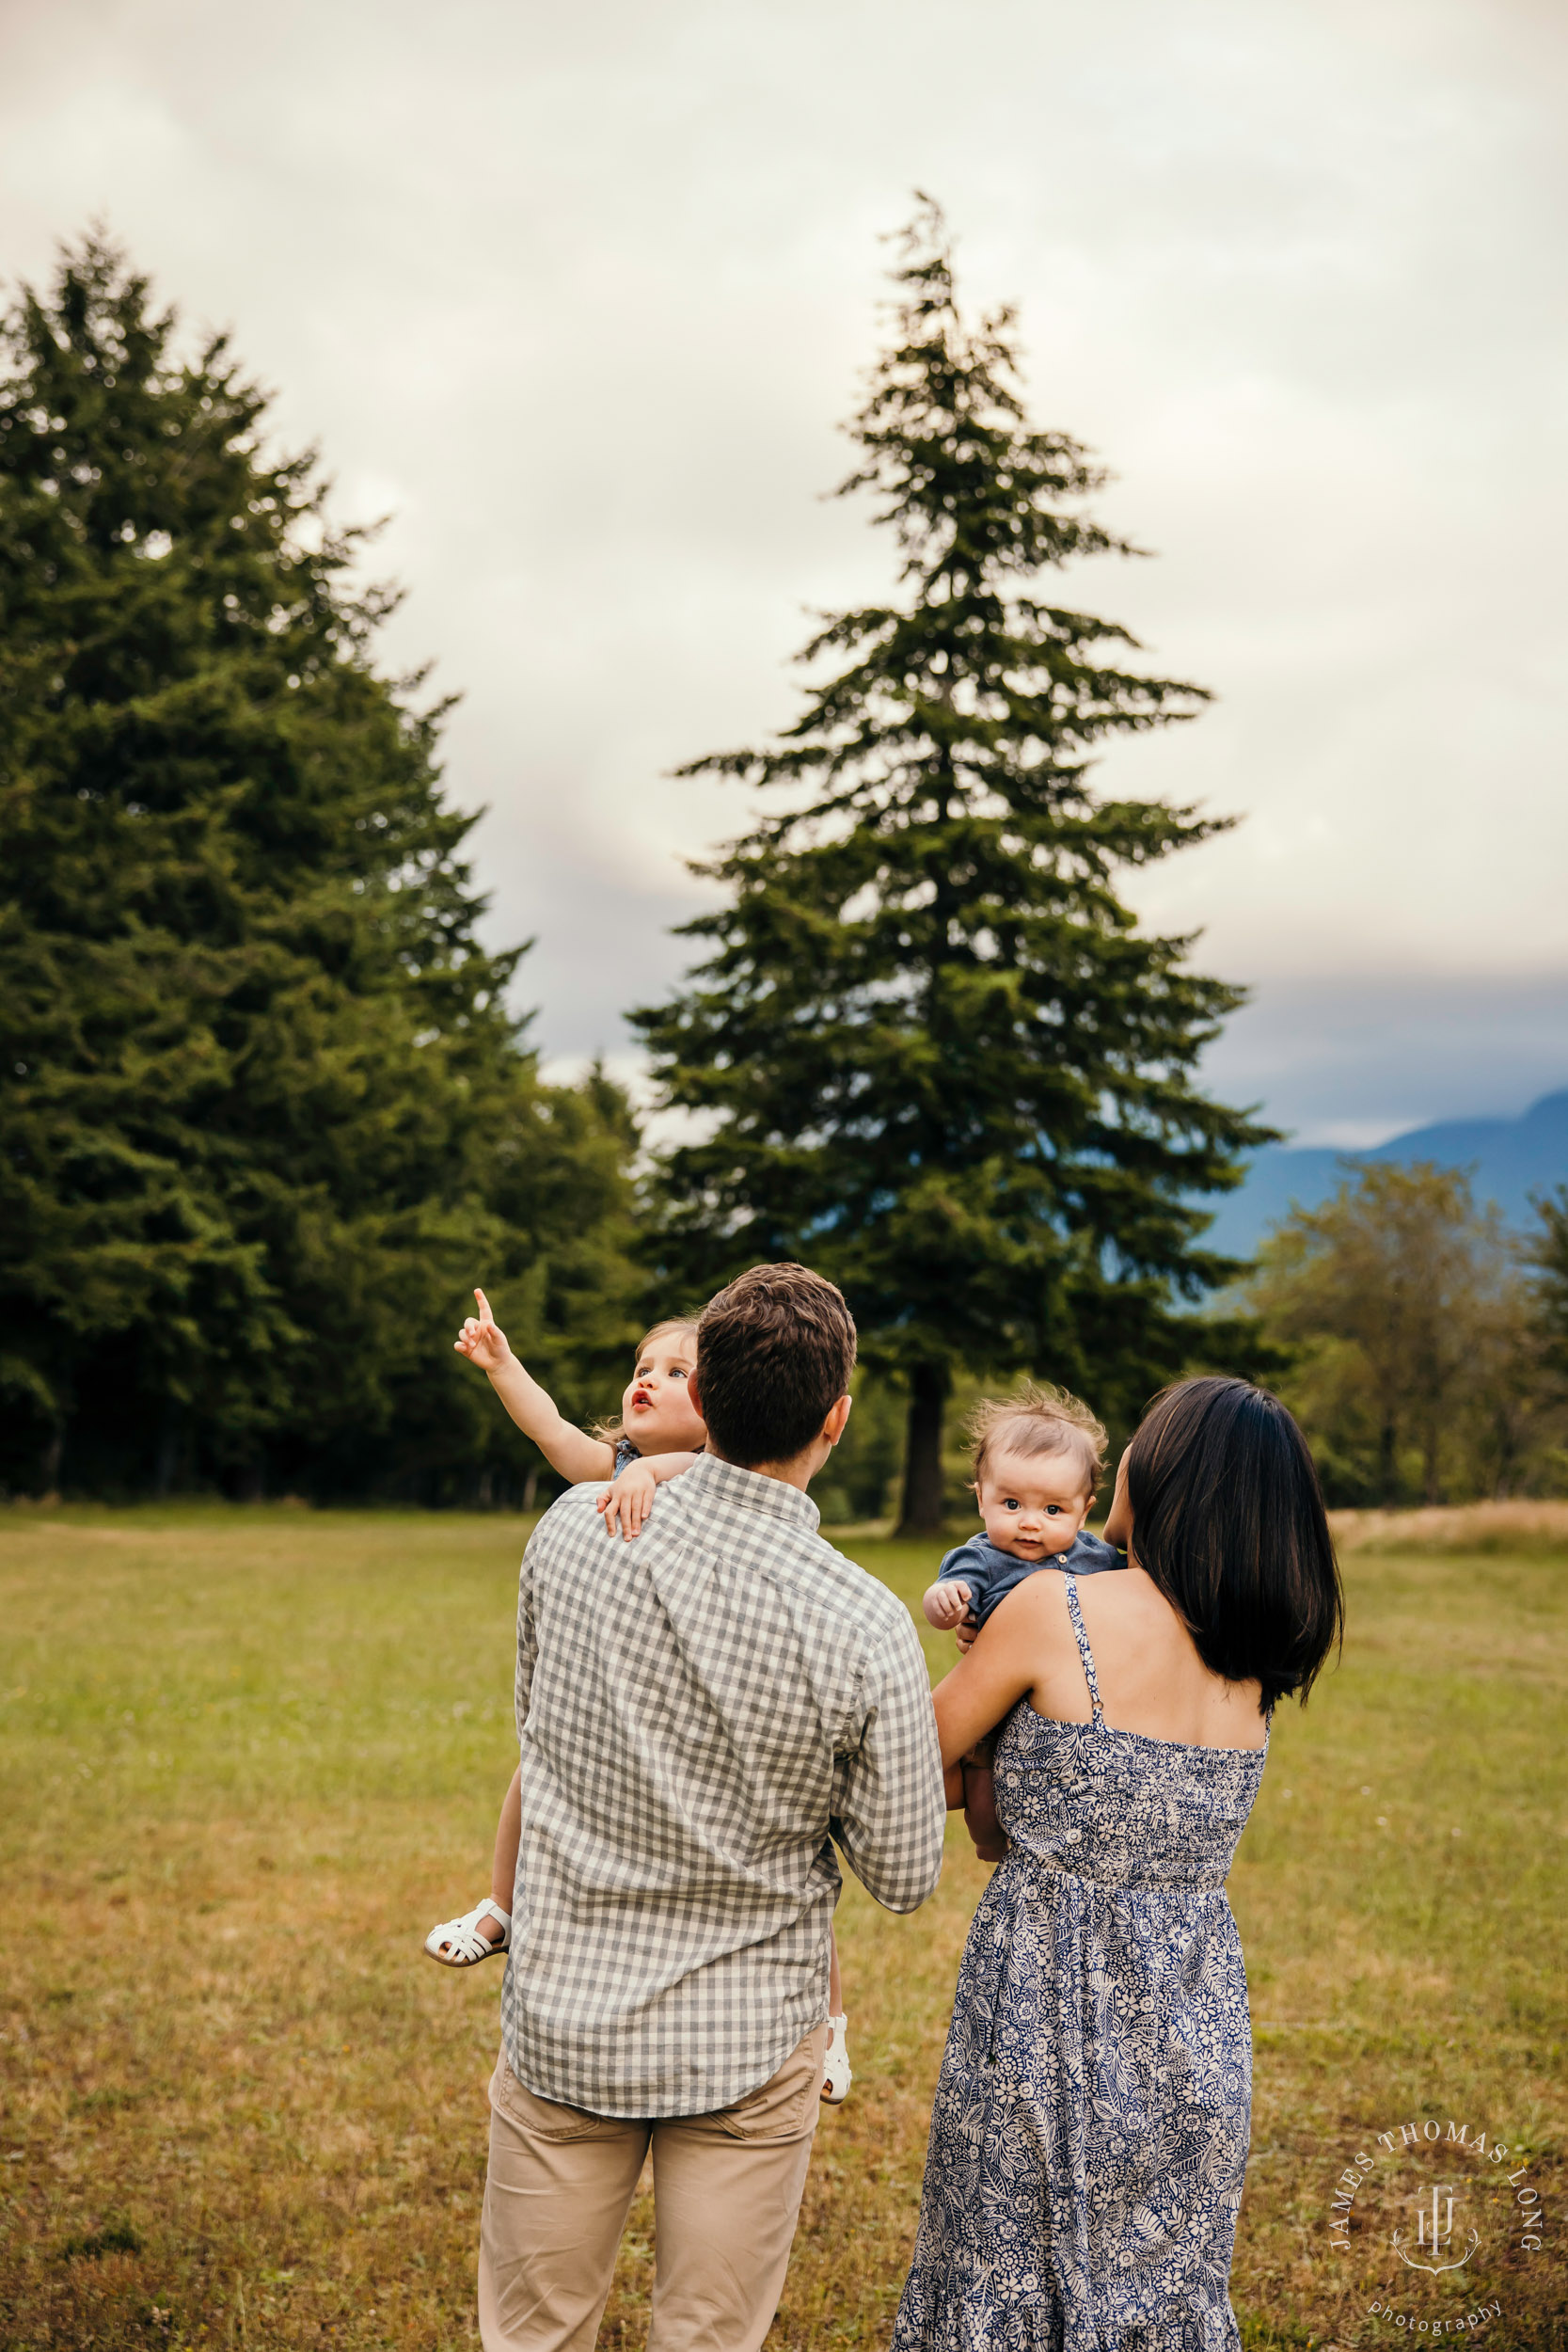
(581, 294)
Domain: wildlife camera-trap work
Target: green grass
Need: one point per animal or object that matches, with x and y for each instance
(247, 1756)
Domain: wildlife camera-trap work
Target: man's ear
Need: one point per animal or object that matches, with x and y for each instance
(692, 1398)
(833, 1427)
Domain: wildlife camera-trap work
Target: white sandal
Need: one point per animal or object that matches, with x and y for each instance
(836, 2075)
(463, 1941)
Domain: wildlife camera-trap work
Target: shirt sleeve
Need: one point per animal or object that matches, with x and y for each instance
(889, 1808)
(527, 1635)
(1090, 1555)
(976, 1571)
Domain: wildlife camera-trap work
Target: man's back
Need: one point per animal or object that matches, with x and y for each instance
(695, 1707)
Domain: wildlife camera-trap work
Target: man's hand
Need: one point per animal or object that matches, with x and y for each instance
(480, 1341)
(628, 1501)
(948, 1604)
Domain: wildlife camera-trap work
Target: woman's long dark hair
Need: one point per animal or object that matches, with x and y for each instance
(1228, 1521)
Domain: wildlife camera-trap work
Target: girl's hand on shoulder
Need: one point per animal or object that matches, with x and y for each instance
(482, 1341)
(627, 1500)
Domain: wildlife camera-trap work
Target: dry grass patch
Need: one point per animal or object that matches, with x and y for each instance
(1477, 1528)
(246, 1757)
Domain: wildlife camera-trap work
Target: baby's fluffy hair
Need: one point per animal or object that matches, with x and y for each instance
(1038, 1420)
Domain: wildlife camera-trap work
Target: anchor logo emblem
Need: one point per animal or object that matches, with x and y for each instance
(1435, 2232)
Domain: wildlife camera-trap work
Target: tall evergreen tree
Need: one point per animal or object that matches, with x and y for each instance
(933, 1051)
(263, 1113)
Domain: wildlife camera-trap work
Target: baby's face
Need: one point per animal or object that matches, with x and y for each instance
(656, 1411)
(1034, 1504)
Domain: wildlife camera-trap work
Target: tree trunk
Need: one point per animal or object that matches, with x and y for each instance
(166, 1462)
(921, 1514)
(1430, 1453)
(1388, 1465)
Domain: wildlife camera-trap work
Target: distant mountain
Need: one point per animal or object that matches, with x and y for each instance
(1510, 1158)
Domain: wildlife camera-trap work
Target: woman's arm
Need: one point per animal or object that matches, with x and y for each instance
(565, 1448)
(994, 1673)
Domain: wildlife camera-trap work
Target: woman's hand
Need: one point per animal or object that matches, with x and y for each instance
(482, 1341)
(626, 1502)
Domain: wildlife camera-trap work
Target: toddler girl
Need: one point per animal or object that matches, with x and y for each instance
(657, 1435)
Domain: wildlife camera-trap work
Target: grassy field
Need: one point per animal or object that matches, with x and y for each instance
(246, 1757)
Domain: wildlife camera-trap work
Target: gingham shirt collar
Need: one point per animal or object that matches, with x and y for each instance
(753, 1490)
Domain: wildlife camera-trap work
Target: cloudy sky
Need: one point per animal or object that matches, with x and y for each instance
(579, 294)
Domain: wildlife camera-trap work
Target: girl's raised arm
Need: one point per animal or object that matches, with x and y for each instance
(565, 1448)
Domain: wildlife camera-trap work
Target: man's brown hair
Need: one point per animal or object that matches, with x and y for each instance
(1038, 1420)
(774, 1353)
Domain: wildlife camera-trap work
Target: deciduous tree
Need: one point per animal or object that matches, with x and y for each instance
(1400, 1304)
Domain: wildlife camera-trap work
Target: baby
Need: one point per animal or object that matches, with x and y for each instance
(657, 1437)
(1038, 1459)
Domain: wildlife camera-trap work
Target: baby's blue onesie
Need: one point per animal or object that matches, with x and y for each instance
(991, 1573)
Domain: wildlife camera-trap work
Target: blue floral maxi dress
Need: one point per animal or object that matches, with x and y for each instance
(1089, 2135)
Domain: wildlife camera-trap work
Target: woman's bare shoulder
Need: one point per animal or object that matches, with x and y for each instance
(1040, 1599)
(1123, 1594)
(1034, 1615)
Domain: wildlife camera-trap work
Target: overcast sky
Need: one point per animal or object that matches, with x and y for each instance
(579, 294)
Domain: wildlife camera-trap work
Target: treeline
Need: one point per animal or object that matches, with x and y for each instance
(1423, 1345)
(265, 1110)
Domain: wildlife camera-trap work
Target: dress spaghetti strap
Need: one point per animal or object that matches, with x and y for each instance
(1084, 1650)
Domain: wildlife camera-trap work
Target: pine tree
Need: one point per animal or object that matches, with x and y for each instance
(933, 1053)
(263, 1113)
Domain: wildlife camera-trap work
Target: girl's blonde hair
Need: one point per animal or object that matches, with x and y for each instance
(1038, 1420)
(612, 1432)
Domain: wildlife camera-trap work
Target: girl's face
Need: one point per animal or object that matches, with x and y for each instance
(656, 1411)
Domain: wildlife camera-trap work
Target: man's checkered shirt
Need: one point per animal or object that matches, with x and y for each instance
(697, 1710)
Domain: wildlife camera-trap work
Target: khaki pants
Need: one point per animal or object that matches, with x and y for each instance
(726, 2194)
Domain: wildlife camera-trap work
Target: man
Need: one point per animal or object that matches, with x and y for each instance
(697, 1712)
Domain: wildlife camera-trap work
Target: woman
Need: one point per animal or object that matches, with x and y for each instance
(1090, 2137)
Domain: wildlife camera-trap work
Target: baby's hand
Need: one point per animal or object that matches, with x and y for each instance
(948, 1604)
(479, 1340)
(628, 1501)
